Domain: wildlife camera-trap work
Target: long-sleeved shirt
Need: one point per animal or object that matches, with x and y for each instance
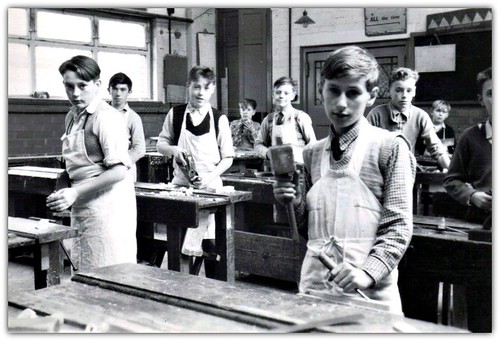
(244, 138)
(303, 128)
(413, 124)
(471, 165)
(137, 142)
(388, 170)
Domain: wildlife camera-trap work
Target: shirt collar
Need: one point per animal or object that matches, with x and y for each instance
(92, 107)
(347, 137)
(439, 127)
(394, 113)
(198, 111)
(125, 108)
(489, 130)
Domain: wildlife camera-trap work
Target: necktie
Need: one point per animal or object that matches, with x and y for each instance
(280, 119)
(335, 146)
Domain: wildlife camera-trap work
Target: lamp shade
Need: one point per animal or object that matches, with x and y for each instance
(304, 20)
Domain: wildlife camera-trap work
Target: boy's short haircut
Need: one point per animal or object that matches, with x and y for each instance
(351, 61)
(285, 80)
(198, 72)
(482, 77)
(85, 67)
(402, 74)
(441, 104)
(248, 102)
(120, 78)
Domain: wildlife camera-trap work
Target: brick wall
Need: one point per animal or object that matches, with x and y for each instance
(35, 126)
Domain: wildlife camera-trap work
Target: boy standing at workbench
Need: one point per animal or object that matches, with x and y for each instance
(195, 132)
(356, 195)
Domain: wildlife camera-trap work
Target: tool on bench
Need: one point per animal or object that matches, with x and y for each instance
(326, 261)
(189, 169)
(283, 166)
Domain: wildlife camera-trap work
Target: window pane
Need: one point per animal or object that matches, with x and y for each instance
(122, 34)
(18, 22)
(63, 26)
(48, 60)
(19, 70)
(132, 65)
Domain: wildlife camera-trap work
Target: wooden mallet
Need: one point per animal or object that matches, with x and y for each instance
(283, 167)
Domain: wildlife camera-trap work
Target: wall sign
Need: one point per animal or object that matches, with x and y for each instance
(384, 21)
(438, 58)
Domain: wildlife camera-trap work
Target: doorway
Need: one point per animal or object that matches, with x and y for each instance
(244, 59)
(390, 54)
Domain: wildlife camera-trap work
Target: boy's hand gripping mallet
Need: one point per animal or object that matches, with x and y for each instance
(283, 167)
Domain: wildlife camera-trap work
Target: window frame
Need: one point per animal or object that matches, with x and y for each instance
(94, 46)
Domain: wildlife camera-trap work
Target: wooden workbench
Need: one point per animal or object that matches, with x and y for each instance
(179, 212)
(424, 182)
(133, 298)
(450, 257)
(261, 246)
(45, 242)
(29, 187)
(246, 159)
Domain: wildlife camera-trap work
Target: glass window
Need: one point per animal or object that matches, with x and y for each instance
(35, 57)
(63, 27)
(48, 60)
(19, 70)
(112, 63)
(118, 33)
(18, 22)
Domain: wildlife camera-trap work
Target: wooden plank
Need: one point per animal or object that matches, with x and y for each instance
(37, 180)
(432, 221)
(33, 228)
(36, 170)
(112, 311)
(197, 194)
(197, 293)
(269, 256)
(262, 189)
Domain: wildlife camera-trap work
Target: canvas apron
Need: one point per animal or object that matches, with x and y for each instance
(205, 152)
(286, 134)
(106, 219)
(343, 219)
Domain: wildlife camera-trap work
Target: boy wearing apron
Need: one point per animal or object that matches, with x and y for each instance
(356, 194)
(201, 131)
(285, 124)
(102, 195)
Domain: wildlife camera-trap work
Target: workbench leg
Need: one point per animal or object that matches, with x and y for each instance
(176, 260)
(224, 243)
(48, 264)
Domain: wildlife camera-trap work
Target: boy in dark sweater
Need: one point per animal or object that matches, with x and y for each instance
(469, 178)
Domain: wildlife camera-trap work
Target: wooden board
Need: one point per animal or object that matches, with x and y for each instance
(30, 228)
(37, 180)
(432, 222)
(269, 256)
(138, 298)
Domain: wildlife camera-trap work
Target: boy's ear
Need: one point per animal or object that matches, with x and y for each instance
(480, 99)
(373, 96)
